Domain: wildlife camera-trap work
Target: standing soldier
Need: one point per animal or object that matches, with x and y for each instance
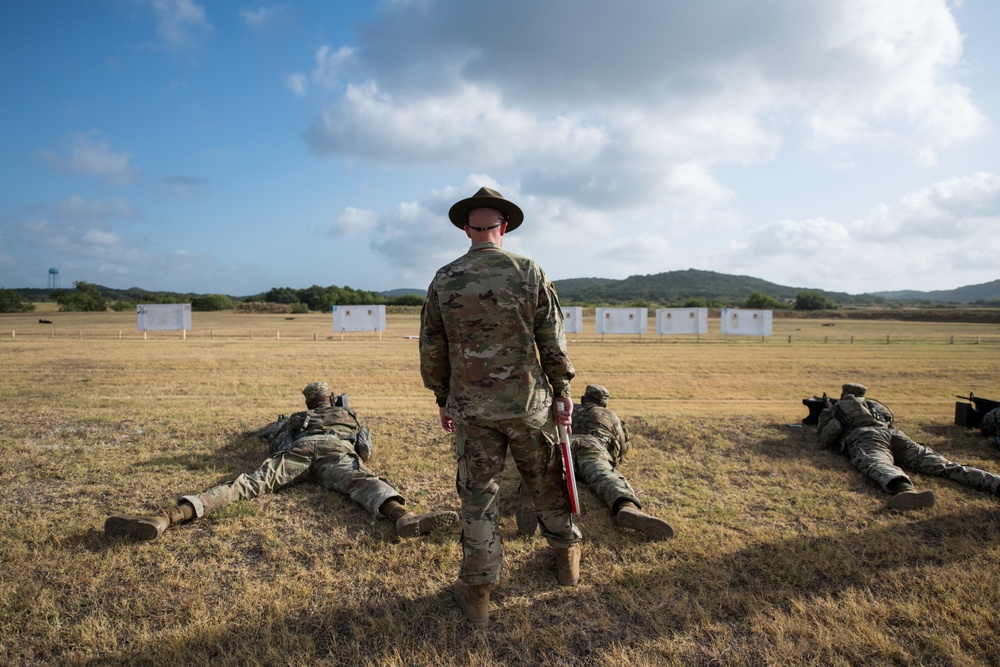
(599, 442)
(493, 351)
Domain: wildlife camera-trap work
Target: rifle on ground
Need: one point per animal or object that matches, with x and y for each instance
(971, 414)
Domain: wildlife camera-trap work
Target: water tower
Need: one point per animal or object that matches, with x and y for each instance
(53, 278)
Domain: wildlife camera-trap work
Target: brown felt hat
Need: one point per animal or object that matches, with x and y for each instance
(486, 198)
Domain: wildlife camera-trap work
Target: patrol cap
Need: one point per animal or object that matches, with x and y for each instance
(858, 390)
(596, 393)
(486, 198)
(315, 390)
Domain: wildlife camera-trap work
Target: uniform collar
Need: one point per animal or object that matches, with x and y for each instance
(484, 245)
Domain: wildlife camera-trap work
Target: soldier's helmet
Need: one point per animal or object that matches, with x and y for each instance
(855, 389)
(315, 390)
(596, 393)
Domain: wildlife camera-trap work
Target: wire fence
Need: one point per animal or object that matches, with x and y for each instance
(916, 335)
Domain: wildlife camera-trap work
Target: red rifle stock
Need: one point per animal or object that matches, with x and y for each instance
(567, 458)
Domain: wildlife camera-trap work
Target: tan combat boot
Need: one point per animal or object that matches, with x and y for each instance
(527, 518)
(568, 565)
(412, 525)
(911, 500)
(146, 528)
(474, 601)
(409, 524)
(630, 516)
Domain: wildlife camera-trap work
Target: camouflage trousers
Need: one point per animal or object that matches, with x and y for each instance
(323, 458)
(883, 453)
(480, 452)
(593, 465)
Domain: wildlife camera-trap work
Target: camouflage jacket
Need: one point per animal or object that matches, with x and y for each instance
(326, 420)
(603, 424)
(847, 415)
(491, 337)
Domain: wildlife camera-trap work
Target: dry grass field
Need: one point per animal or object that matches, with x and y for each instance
(784, 554)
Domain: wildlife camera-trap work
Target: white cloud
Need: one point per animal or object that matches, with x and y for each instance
(352, 221)
(297, 83)
(963, 206)
(550, 89)
(261, 18)
(181, 24)
(934, 238)
(90, 154)
(327, 72)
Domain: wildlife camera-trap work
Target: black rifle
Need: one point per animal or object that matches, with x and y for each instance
(816, 405)
(971, 414)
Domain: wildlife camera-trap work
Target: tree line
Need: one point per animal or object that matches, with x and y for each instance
(88, 297)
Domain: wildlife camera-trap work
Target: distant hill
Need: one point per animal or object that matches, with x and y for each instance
(982, 293)
(403, 291)
(676, 287)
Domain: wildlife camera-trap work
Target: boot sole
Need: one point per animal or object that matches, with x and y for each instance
(131, 526)
(426, 523)
(650, 526)
(911, 500)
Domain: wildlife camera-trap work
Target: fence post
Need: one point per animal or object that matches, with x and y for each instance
(826, 339)
(852, 340)
(789, 339)
(952, 341)
(887, 339)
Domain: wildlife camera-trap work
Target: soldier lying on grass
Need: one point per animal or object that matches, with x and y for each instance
(599, 442)
(862, 429)
(320, 444)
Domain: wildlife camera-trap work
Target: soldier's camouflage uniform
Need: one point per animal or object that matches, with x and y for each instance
(491, 344)
(991, 425)
(599, 442)
(315, 444)
(881, 452)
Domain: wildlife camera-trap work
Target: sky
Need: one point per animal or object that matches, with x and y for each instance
(188, 146)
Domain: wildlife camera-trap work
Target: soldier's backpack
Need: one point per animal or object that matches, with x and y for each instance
(854, 412)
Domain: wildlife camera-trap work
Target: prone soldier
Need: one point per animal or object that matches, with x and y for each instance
(599, 442)
(322, 442)
(862, 429)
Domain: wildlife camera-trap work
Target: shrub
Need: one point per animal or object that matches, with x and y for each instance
(11, 302)
(84, 297)
(212, 302)
(812, 300)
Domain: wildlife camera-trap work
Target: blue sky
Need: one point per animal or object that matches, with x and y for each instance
(223, 147)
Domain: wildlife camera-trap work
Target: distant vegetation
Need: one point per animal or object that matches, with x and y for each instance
(90, 297)
(85, 297)
(690, 288)
(12, 302)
